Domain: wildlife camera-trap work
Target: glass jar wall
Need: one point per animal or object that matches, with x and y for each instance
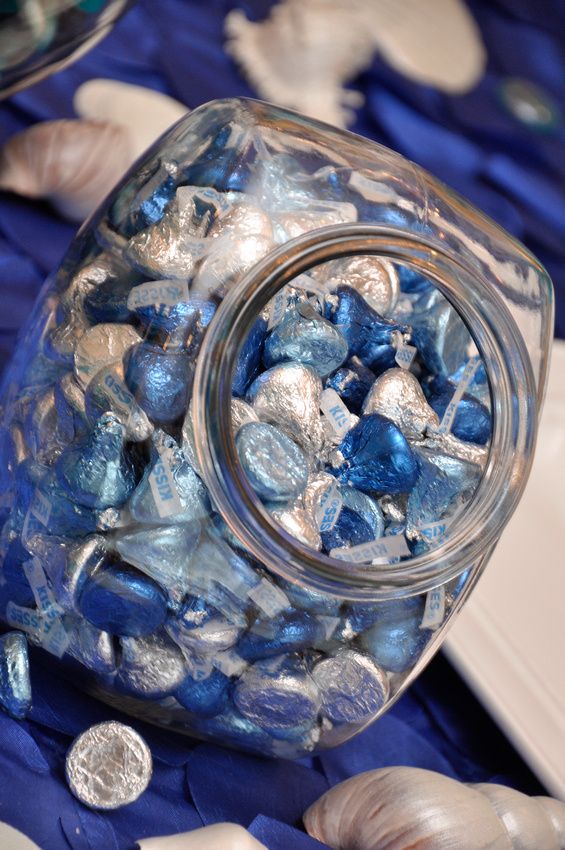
(264, 428)
(39, 37)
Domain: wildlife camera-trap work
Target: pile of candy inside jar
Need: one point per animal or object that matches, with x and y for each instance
(361, 416)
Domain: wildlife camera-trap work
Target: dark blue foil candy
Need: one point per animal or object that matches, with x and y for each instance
(15, 685)
(161, 382)
(205, 697)
(14, 585)
(118, 599)
(223, 165)
(349, 530)
(412, 281)
(107, 302)
(275, 466)
(96, 473)
(143, 201)
(472, 420)
(286, 633)
(352, 382)
(306, 337)
(368, 334)
(250, 357)
(377, 457)
(182, 325)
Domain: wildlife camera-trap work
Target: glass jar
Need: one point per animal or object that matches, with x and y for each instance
(265, 427)
(40, 37)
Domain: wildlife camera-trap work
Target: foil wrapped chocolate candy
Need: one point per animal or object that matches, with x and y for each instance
(351, 414)
(15, 685)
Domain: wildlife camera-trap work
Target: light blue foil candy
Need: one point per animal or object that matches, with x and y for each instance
(396, 640)
(161, 381)
(439, 334)
(200, 628)
(163, 553)
(366, 507)
(353, 688)
(306, 337)
(275, 466)
(96, 473)
(277, 694)
(172, 477)
(15, 685)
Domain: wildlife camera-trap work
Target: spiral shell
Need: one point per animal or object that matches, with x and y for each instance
(406, 808)
(73, 164)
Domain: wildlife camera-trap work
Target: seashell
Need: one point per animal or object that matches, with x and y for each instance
(220, 836)
(422, 41)
(73, 164)
(145, 113)
(327, 62)
(403, 808)
(10, 837)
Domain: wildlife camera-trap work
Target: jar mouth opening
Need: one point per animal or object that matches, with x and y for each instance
(514, 415)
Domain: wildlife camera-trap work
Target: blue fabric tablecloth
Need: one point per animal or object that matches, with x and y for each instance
(515, 174)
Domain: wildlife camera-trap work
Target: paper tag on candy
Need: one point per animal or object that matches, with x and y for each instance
(269, 598)
(309, 284)
(383, 550)
(40, 507)
(335, 410)
(163, 487)
(42, 593)
(434, 612)
(25, 619)
(54, 636)
(435, 532)
(451, 410)
(229, 663)
(117, 391)
(277, 308)
(405, 353)
(329, 508)
(158, 292)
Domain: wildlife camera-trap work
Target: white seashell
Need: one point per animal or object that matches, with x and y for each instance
(437, 44)
(220, 836)
(73, 164)
(294, 57)
(146, 113)
(13, 839)
(404, 808)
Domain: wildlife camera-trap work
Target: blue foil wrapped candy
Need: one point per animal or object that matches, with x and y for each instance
(369, 335)
(15, 685)
(472, 420)
(377, 457)
(117, 598)
(396, 640)
(278, 694)
(352, 382)
(205, 697)
(96, 473)
(161, 381)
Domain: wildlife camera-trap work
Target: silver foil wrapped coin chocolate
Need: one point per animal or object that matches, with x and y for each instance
(108, 766)
(235, 468)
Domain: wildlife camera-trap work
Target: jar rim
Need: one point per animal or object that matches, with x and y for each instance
(514, 411)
